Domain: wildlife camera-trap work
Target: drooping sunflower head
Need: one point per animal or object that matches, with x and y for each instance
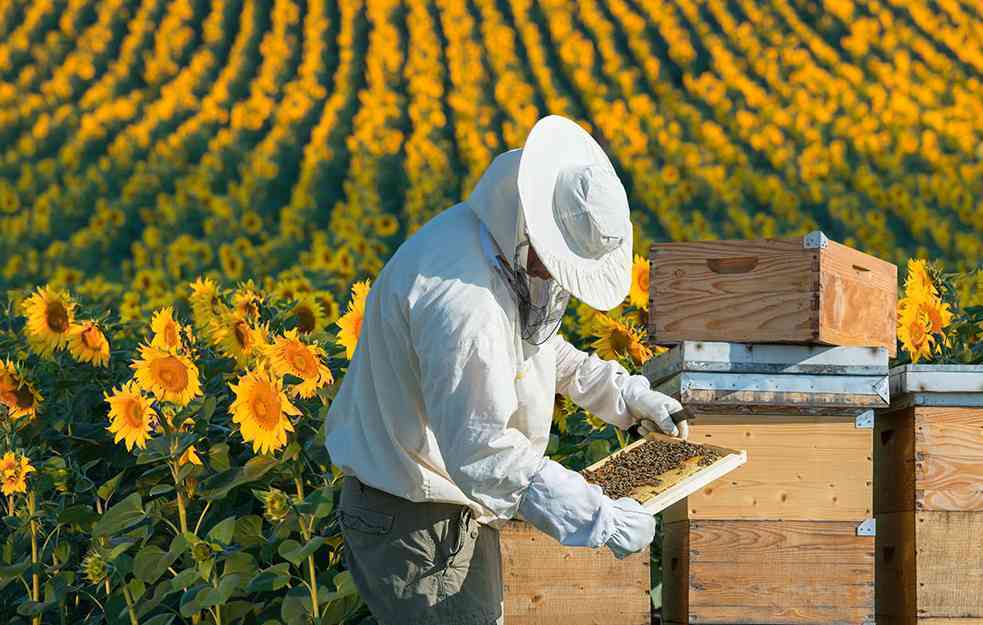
(309, 315)
(638, 294)
(168, 376)
(246, 302)
(239, 339)
(167, 331)
(88, 343)
(262, 410)
(350, 324)
(131, 417)
(617, 338)
(14, 469)
(290, 355)
(50, 315)
(276, 504)
(207, 306)
(17, 395)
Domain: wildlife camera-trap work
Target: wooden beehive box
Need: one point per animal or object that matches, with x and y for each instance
(805, 289)
(546, 583)
(929, 497)
(788, 537)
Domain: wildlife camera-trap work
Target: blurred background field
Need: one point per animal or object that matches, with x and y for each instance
(147, 142)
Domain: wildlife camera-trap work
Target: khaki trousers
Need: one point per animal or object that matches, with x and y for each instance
(420, 563)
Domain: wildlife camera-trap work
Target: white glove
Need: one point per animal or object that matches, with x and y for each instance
(561, 503)
(634, 528)
(651, 408)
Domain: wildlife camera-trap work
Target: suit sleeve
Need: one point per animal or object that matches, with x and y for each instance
(592, 383)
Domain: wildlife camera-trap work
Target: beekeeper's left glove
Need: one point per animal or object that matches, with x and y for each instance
(652, 409)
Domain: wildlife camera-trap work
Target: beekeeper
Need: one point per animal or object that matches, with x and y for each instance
(443, 418)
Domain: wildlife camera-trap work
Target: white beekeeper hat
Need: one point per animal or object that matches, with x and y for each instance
(576, 212)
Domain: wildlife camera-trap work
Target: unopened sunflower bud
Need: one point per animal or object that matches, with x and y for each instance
(276, 505)
(94, 567)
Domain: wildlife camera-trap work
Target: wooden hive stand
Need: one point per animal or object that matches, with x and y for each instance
(929, 497)
(788, 537)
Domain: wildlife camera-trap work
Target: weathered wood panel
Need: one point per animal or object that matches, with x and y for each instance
(895, 568)
(949, 564)
(858, 295)
(929, 458)
(754, 291)
(546, 583)
(770, 572)
(798, 468)
(929, 565)
(675, 571)
(948, 459)
(894, 461)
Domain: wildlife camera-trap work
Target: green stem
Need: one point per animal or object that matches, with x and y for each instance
(129, 605)
(622, 441)
(35, 577)
(182, 514)
(306, 532)
(102, 541)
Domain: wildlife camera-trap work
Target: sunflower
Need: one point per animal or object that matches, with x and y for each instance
(939, 316)
(17, 395)
(329, 305)
(262, 410)
(918, 280)
(169, 377)
(14, 469)
(638, 295)
(914, 332)
(206, 305)
(131, 417)
(350, 324)
(246, 303)
(385, 225)
(289, 354)
(87, 343)
(616, 338)
(308, 313)
(167, 331)
(50, 315)
(237, 338)
(563, 407)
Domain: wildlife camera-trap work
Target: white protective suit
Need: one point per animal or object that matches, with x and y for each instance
(443, 400)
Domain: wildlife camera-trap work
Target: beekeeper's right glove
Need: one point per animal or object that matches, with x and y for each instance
(564, 505)
(652, 409)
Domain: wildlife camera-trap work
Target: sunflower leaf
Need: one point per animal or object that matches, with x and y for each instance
(219, 485)
(123, 515)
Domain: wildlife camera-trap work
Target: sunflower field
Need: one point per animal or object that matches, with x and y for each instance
(196, 194)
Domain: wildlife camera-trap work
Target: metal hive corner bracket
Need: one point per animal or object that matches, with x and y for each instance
(865, 420)
(815, 240)
(867, 528)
